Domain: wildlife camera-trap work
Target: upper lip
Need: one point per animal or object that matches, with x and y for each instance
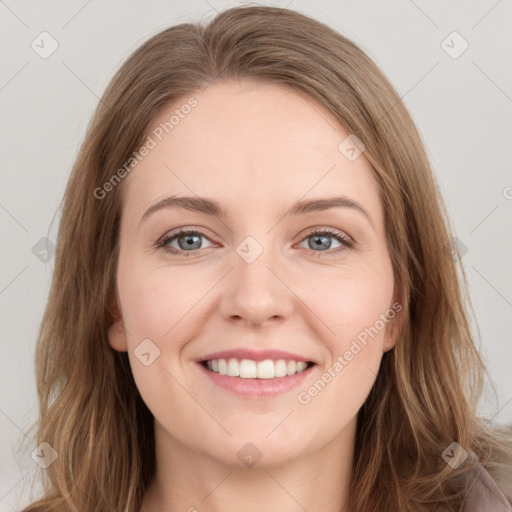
(255, 355)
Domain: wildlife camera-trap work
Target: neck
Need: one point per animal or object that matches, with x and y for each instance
(187, 480)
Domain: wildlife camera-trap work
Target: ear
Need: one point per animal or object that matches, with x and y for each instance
(396, 313)
(116, 332)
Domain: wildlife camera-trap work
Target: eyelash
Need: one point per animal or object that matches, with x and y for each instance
(346, 242)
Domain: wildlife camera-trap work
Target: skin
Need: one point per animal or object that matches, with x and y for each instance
(256, 149)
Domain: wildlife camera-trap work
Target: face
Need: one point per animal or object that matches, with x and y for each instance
(259, 276)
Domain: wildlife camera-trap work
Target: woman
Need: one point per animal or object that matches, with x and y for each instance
(199, 350)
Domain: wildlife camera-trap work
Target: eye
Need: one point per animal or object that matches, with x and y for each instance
(322, 239)
(188, 242)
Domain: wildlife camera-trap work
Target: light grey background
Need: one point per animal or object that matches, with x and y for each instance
(462, 107)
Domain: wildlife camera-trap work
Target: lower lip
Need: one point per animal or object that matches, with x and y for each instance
(257, 387)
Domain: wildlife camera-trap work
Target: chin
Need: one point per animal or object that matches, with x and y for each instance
(252, 449)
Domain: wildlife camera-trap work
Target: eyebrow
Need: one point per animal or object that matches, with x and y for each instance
(213, 208)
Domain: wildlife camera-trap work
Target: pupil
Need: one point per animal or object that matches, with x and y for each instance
(324, 241)
(189, 241)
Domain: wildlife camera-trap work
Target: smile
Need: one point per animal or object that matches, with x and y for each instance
(250, 369)
(256, 379)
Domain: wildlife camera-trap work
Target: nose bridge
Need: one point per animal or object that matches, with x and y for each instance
(255, 291)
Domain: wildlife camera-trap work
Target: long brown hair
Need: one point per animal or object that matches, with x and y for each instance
(426, 392)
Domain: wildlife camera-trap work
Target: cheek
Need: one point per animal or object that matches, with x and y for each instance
(355, 314)
(158, 305)
(157, 301)
(354, 311)
(350, 305)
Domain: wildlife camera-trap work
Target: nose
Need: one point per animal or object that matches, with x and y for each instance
(256, 293)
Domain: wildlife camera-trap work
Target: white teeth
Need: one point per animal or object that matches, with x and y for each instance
(280, 368)
(249, 369)
(301, 366)
(266, 369)
(233, 368)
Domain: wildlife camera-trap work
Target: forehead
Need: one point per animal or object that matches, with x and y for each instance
(249, 144)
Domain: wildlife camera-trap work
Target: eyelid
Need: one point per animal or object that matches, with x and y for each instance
(346, 241)
(170, 236)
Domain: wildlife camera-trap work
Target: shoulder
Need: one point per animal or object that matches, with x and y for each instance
(484, 494)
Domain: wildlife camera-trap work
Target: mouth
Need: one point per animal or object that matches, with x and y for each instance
(256, 379)
(251, 369)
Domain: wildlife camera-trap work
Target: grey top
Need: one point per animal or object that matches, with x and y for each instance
(485, 495)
